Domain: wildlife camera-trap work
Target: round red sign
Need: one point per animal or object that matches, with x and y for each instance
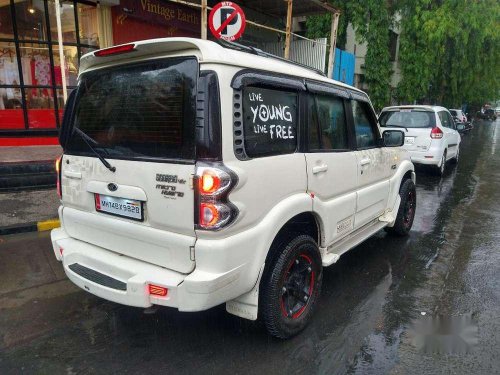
(227, 21)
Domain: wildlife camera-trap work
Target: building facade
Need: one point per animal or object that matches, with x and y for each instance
(31, 85)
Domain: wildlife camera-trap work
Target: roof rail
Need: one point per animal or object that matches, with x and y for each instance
(259, 52)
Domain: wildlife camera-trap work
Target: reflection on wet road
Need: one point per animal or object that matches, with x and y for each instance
(373, 300)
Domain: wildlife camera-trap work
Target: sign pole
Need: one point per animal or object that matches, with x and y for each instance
(288, 28)
(61, 51)
(204, 19)
(333, 43)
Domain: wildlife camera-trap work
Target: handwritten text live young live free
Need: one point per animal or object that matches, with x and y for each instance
(271, 112)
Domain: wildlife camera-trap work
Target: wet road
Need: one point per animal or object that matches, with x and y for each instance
(426, 304)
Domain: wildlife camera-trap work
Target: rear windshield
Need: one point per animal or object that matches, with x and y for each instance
(408, 118)
(139, 111)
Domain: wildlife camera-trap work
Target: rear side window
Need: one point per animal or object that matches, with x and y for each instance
(327, 124)
(445, 119)
(270, 120)
(363, 125)
(408, 118)
(138, 111)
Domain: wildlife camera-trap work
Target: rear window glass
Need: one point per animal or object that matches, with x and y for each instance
(144, 110)
(269, 121)
(408, 118)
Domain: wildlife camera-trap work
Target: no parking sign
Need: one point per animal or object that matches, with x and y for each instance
(227, 21)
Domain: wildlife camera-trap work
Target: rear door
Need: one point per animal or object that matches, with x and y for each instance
(374, 164)
(450, 134)
(140, 118)
(331, 165)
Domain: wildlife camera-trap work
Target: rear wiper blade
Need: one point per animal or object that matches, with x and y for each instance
(88, 140)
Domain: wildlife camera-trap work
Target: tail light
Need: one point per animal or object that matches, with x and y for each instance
(436, 133)
(58, 172)
(156, 290)
(213, 184)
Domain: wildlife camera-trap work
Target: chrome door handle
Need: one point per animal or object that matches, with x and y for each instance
(320, 168)
(364, 162)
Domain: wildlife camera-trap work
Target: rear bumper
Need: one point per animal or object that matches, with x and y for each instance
(196, 291)
(432, 156)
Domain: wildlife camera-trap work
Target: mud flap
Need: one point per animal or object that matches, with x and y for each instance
(390, 215)
(247, 305)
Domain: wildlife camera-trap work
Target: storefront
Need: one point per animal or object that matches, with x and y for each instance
(31, 86)
(31, 98)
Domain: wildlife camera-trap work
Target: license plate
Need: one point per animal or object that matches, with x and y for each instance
(409, 140)
(123, 207)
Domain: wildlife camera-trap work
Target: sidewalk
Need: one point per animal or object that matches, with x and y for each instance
(28, 210)
(21, 154)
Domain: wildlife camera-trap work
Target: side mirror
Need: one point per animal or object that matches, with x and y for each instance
(393, 138)
(460, 127)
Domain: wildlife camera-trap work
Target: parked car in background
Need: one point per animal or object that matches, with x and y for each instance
(431, 135)
(487, 114)
(459, 114)
(460, 118)
(497, 111)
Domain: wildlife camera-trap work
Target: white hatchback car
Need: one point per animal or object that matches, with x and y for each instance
(195, 175)
(431, 135)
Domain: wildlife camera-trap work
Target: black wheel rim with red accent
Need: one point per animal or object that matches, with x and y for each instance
(298, 287)
(409, 209)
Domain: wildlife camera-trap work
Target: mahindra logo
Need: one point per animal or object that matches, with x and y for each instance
(112, 187)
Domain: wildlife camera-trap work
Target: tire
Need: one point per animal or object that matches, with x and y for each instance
(406, 212)
(457, 156)
(439, 169)
(290, 287)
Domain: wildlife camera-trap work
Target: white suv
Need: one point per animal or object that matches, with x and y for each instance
(195, 175)
(431, 135)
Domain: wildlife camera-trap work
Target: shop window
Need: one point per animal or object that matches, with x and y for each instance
(71, 61)
(11, 108)
(35, 62)
(30, 20)
(87, 24)
(68, 25)
(31, 85)
(40, 105)
(6, 30)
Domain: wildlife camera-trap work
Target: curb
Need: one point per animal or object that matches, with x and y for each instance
(39, 226)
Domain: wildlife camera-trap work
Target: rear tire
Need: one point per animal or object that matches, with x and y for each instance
(457, 156)
(439, 169)
(290, 287)
(406, 212)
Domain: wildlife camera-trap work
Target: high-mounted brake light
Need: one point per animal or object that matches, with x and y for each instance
(436, 133)
(115, 50)
(156, 290)
(58, 172)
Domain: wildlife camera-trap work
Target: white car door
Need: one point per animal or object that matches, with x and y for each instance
(375, 165)
(449, 134)
(331, 165)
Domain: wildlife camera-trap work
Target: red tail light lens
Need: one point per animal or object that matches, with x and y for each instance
(214, 182)
(209, 214)
(58, 172)
(115, 50)
(156, 290)
(436, 133)
(209, 182)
